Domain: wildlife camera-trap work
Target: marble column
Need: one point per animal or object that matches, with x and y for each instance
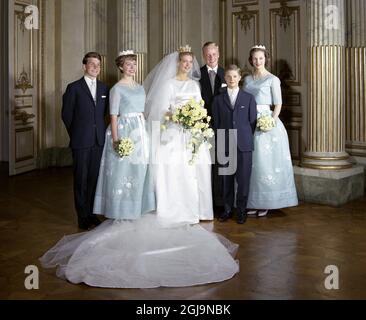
(172, 25)
(326, 107)
(326, 174)
(132, 31)
(356, 79)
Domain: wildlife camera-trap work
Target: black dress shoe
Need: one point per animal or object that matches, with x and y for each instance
(94, 221)
(84, 224)
(224, 216)
(242, 217)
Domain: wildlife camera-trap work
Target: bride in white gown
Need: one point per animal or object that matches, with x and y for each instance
(167, 248)
(182, 189)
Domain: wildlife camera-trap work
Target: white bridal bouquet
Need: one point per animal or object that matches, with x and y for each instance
(265, 123)
(193, 117)
(124, 147)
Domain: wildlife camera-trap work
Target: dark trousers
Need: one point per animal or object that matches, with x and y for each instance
(242, 177)
(86, 169)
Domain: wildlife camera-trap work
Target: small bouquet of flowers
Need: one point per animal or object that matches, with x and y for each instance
(265, 123)
(193, 117)
(124, 147)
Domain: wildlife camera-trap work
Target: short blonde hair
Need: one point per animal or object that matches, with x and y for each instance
(210, 44)
(233, 67)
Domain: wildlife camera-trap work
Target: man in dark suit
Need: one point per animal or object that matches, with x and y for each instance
(235, 111)
(85, 103)
(211, 82)
(212, 75)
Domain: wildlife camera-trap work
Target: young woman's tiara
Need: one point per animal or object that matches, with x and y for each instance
(126, 53)
(259, 47)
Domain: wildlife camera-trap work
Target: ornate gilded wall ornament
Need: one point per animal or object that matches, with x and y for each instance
(245, 16)
(23, 82)
(23, 116)
(284, 12)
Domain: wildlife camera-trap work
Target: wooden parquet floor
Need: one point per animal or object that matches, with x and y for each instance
(281, 256)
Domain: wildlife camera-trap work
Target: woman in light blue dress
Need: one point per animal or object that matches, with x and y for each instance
(272, 184)
(125, 188)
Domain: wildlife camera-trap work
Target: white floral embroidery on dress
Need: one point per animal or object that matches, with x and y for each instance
(267, 148)
(129, 186)
(269, 180)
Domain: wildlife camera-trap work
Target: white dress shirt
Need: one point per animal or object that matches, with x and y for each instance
(233, 94)
(92, 84)
(213, 69)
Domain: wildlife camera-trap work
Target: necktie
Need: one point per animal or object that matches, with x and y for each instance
(232, 99)
(212, 75)
(92, 90)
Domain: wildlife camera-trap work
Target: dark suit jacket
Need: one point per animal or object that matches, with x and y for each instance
(206, 90)
(242, 117)
(84, 120)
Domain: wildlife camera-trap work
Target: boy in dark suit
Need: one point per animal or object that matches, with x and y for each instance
(235, 110)
(84, 106)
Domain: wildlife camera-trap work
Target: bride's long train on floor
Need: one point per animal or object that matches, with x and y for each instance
(143, 254)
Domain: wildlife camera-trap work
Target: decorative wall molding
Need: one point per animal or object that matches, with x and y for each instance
(286, 58)
(284, 13)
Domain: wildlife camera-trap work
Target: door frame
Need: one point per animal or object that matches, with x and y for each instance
(4, 82)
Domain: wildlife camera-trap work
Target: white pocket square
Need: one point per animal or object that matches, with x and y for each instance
(242, 107)
(103, 97)
(223, 85)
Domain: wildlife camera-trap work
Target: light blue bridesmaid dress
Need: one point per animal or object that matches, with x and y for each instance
(125, 187)
(272, 184)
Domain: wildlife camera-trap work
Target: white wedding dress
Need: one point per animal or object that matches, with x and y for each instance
(143, 254)
(183, 190)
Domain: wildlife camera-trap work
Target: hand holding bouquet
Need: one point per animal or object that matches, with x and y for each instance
(266, 123)
(124, 147)
(193, 117)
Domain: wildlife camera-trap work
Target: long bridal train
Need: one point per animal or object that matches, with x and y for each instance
(143, 254)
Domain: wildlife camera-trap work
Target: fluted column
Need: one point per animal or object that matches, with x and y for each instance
(356, 78)
(172, 25)
(326, 107)
(96, 31)
(132, 31)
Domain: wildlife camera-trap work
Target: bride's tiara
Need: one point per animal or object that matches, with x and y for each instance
(259, 47)
(186, 48)
(127, 53)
